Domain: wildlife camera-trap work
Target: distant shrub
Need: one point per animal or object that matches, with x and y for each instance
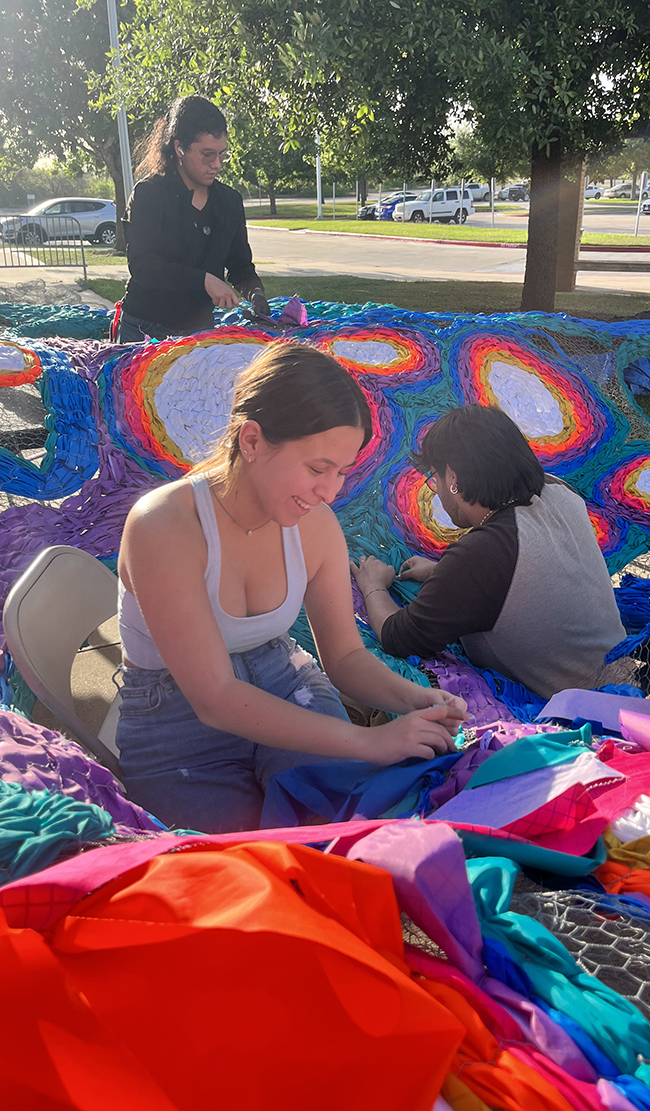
(44, 184)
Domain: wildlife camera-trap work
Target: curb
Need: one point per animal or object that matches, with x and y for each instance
(398, 238)
(445, 242)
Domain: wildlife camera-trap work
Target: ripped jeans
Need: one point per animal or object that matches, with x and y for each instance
(195, 777)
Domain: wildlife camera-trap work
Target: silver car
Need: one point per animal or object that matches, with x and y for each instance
(96, 218)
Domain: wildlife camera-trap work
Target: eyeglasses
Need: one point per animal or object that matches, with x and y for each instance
(210, 156)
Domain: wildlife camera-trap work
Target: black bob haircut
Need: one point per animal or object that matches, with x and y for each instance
(492, 460)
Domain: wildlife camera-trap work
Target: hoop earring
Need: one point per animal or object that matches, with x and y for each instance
(453, 489)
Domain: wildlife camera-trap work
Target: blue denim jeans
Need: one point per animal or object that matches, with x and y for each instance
(131, 329)
(193, 776)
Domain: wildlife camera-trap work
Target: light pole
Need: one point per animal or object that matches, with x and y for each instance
(122, 128)
(319, 183)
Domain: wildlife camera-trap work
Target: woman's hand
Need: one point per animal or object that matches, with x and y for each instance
(372, 574)
(417, 568)
(419, 698)
(422, 733)
(220, 292)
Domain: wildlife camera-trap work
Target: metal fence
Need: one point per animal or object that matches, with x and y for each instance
(36, 241)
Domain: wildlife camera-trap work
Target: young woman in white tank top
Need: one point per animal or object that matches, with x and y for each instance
(214, 569)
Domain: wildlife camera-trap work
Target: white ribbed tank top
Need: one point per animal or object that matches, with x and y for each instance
(241, 634)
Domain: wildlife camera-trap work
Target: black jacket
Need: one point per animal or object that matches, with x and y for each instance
(171, 246)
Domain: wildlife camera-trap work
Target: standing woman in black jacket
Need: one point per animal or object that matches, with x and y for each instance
(185, 230)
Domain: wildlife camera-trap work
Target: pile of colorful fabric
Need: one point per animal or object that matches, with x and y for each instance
(382, 963)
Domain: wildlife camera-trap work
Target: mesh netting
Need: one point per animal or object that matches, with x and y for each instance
(605, 941)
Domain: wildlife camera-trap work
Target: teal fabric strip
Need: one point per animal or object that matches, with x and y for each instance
(527, 754)
(533, 856)
(611, 1021)
(36, 827)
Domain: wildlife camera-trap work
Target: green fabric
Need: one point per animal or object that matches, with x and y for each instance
(36, 827)
(611, 1021)
(527, 754)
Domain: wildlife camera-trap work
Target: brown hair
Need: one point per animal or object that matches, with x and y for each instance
(188, 117)
(292, 391)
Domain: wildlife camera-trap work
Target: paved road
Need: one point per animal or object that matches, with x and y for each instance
(306, 253)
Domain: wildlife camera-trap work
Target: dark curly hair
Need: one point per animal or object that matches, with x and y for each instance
(188, 117)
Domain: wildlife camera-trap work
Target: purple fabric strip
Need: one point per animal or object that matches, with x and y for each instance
(540, 1030)
(612, 1098)
(427, 864)
(41, 760)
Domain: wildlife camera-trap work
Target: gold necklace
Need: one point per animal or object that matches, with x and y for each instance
(491, 512)
(248, 531)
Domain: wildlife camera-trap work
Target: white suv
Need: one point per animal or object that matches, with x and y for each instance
(444, 206)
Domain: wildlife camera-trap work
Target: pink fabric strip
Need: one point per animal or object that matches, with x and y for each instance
(39, 900)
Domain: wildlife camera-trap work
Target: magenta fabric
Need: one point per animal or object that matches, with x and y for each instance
(498, 1021)
(509, 801)
(41, 760)
(636, 768)
(427, 863)
(39, 900)
(579, 1096)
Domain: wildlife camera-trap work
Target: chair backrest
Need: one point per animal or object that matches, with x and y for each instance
(50, 611)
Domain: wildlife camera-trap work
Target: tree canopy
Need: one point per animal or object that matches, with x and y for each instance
(47, 51)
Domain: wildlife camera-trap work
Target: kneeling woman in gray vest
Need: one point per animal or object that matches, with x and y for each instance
(526, 591)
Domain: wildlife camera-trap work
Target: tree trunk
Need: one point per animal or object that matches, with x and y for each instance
(569, 223)
(541, 256)
(110, 152)
(634, 177)
(363, 191)
(272, 204)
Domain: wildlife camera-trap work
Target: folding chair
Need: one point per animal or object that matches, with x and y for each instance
(49, 613)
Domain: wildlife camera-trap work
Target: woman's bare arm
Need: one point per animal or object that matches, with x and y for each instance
(163, 562)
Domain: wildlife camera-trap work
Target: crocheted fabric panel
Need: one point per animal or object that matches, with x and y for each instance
(118, 420)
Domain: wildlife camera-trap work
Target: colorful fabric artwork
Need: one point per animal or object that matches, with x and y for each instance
(120, 420)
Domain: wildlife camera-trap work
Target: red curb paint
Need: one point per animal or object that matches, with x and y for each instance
(447, 242)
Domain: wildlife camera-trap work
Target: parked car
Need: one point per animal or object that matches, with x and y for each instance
(645, 208)
(96, 219)
(390, 200)
(444, 206)
(518, 192)
(594, 192)
(368, 212)
(623, 190)
(479, 192)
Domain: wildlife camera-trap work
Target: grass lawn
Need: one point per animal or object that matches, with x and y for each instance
(451, 296)
(95, 256)
(456, 232)
(416, 231)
